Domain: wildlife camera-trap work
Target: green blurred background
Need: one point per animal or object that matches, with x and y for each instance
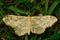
(32, 8)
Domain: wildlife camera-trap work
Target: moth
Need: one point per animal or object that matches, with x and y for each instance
(25, 24)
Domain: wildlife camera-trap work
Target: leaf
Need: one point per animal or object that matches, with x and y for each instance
(46, 7)
(53, 6)
(26, 37)
(57, 12)
(15, 9)
(55, 36)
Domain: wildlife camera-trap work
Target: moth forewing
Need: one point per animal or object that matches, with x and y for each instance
(48, 21)
(13, 20)
(45, 21)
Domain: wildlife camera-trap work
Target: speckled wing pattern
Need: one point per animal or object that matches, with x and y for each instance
(39, 24)
(24, 24)
(18, 23)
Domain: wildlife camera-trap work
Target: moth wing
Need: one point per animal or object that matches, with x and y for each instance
(18, 23)
(35, 28)
(39, 24)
